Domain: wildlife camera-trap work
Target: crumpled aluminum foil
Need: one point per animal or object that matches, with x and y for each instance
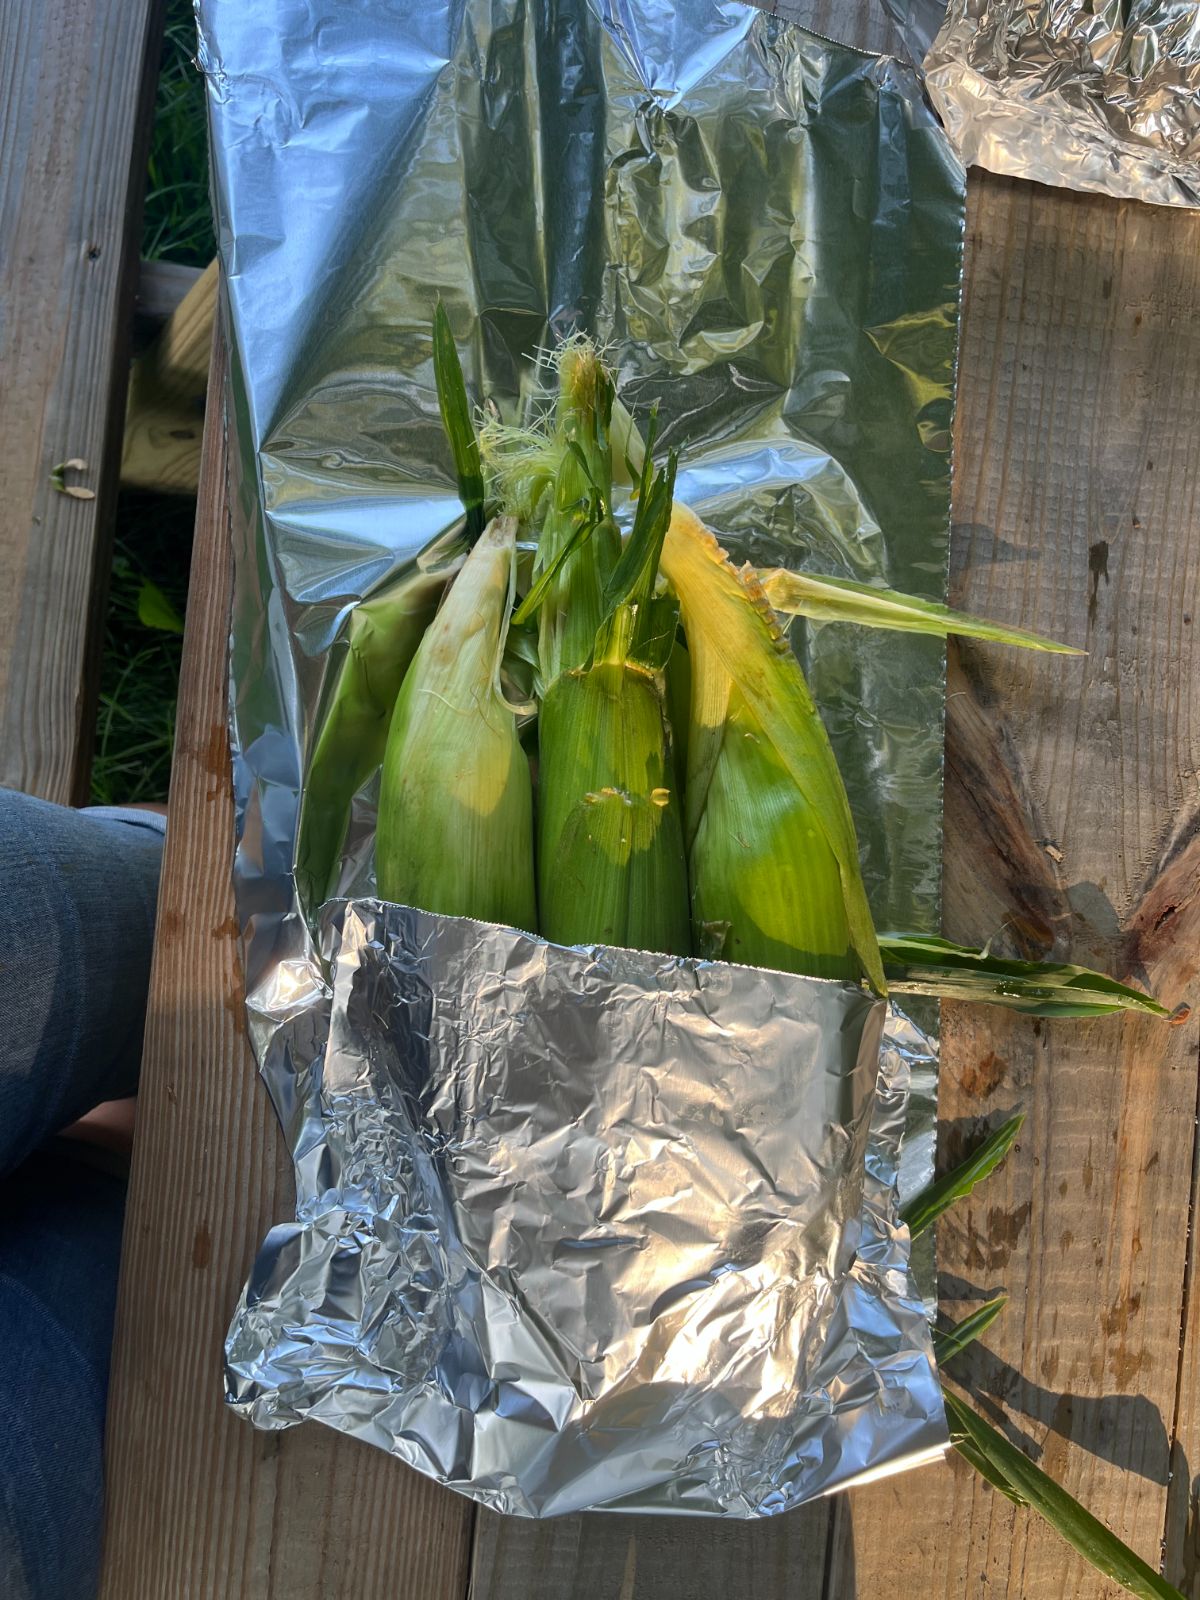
(1098, 95)
(596, 1228)
(765, 230)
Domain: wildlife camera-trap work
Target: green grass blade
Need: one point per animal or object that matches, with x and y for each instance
(456, 419)
(924, 1208)
(841, 600)
(1098, 1545)
(949, 1342)
(917, 964)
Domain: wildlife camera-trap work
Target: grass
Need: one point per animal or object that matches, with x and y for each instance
(178, 222)
(139, 673)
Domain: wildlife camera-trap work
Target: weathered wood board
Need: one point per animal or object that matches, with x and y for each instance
(76, 95)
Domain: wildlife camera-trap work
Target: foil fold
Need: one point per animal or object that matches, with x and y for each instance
(597, 1229)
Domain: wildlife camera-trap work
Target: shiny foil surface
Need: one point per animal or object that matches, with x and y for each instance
(596, 1228)
(764, 229)
(1088, 94)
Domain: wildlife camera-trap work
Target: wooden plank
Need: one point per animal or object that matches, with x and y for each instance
(164, 417)
(861, 23)
(601, 1557)
(198, 1503)
(1075, 506)
(76, 95)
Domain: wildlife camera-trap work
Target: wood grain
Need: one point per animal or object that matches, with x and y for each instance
(76, 93)
(1077, 421)
(199, 1504)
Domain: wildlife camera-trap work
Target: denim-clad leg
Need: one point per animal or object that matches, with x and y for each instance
(77, 902)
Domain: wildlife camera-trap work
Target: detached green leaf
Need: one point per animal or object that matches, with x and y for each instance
(927, 1206)
(1014, 1474)
(916, 964)
(799, 594)
(984, 1467)
(952, 1341)
(456, 419)
(156, 611)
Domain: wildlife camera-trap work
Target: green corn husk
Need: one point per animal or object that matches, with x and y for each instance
(610, 846)
(611, 866)
(455, 831)
(380, 642)
(772, 854)
(800, 594)
(378, 647)
(766, 890)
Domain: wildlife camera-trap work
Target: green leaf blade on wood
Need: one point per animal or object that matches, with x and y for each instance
(1019, 1478)
(920, 964)
(924, 1209)
(952, 1341)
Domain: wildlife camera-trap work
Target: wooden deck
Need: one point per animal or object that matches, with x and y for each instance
(1071, 810)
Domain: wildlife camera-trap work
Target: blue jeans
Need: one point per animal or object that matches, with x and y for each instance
(78, 892)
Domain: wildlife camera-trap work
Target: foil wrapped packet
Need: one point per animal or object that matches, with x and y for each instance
(1102, 97)
(597, 1228)
(580, 1228)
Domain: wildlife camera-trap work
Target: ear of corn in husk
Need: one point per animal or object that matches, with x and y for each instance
(455, 830)
(773, 866)
(381, 638)
(772, 854)
(611, 864)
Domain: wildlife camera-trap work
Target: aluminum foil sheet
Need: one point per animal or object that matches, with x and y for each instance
(765, 231)
(1089, 94)
(632, 1245)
